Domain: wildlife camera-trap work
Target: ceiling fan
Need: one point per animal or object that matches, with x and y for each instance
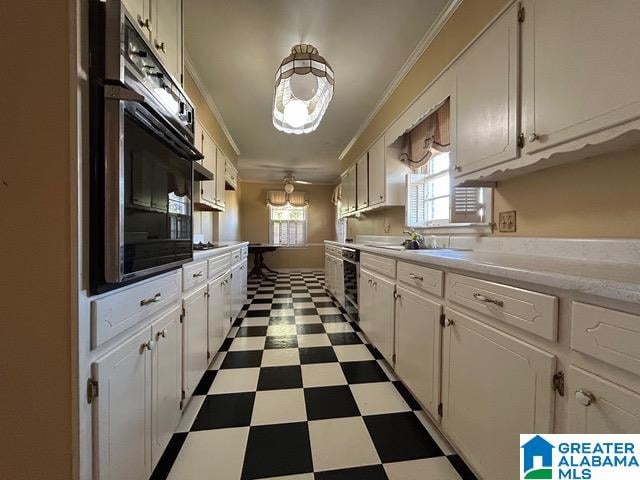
(289, 181)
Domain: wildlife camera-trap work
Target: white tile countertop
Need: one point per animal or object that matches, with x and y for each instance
(612, 280)
(224, 247)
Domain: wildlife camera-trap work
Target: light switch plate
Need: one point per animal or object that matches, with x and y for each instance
(507, 221)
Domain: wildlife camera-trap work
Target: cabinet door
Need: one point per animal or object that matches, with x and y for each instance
(236, 291)
(243, 283)
(167, 34)
(383, 316)
(353, 200)
(599, 406)
(140, 10)
(487, 98)
(221, 161)
(123, 411)
(216, 317)
(362, 181)
(580, 69)
(194, 334)
(377, 173)
(494, 387)
(208, 188)
(418, 338)
(365, 304)
(167, 380)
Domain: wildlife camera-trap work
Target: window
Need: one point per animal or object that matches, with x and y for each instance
(432, 203)
(288, 225)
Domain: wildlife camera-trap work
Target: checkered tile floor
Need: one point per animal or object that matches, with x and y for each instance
(297, 393)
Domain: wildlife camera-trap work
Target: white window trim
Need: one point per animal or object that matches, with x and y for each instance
(306, 229)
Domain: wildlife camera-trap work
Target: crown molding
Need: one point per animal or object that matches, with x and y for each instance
(188, 63)
(422, 46)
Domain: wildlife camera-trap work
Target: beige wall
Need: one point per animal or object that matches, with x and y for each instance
(254, 217)
(215, 226)
(590, 198)
(35, 248)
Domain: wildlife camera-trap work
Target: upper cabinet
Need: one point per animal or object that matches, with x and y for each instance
(161, 20)
(580, 70)
(210, 194)
(362, 181)
(377, 177)
(349, 198)
(486, 98)
(221, 161)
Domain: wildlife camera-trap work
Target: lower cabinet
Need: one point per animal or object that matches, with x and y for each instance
(418, 338)
(238, 287)
(376, 311)
(138, 406)
(597, 405)
(216, 318)
(194, 334)
(329, 273)
(494, 387)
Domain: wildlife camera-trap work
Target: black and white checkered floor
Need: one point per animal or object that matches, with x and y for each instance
(296, 393)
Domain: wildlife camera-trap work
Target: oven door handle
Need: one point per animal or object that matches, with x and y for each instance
(118, 92)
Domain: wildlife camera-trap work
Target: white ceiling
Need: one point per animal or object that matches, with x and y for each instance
(236, 46)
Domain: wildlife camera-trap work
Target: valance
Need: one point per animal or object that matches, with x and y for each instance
(280, 198)
(337, 194)
(428, 138)
(298, 199)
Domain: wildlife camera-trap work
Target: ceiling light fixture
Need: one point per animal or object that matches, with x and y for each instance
(288, 187)
(304, 88)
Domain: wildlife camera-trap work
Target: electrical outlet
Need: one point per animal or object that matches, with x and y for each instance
(507, 221)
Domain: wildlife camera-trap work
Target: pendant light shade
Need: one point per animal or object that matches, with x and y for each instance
(304, 88)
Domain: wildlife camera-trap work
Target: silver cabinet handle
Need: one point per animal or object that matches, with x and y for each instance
(457, 168)
(369, 281)
(448, 322)
(161, 46)
(482, 298)
(396, 295)
(416, 277)
(146, 23)
(585, 398)
(375, 284)
(147, 346)
(147, 301)
(161, 334)
(196, 275)
(533, 137)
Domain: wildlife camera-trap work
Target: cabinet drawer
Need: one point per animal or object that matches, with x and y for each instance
(531, 311)
(193, 274)
(384, 265)
(422, 278)
(244, 252)
(608, 335)
(331, 250)
(218, 265)
(236, 256)
(115, 313)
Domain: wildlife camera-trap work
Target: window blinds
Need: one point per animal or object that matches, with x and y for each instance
(416, 199)
(288, 232)
(467, 205)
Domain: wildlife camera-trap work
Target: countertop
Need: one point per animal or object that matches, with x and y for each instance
(612, 280)
(225, 248)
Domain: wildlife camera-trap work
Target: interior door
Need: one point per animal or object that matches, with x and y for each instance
(123, 411)
(494, 387)
(362, 181)
(487, 81)
(168, 35)
(580, 69)
(377, 176)
(194, 346)
(167, 380)
(599, 406)
(418, 340)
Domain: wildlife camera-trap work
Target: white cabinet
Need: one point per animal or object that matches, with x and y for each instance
(417, 342)
(140, 10)
(122, 412)
(580, 70)
(231, 175)
(167, 34)
(216, 320)
(494, 387)
(166, 332)
(329, 273)
(221, 161)
(486, 98)
(377, 173)
(362, 182)
(204, 194)
(194, 334)
(349, 200)
(238, 280)
(599, 406)
(377, 312)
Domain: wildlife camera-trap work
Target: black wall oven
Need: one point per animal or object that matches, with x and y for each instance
(142, 153)
(351, 266)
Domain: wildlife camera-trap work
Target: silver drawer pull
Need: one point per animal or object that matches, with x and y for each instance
(416, 277)
(585, 398)
(147, 301)
(147, 346)
(482, 298)
(196, 275)
(161, 334)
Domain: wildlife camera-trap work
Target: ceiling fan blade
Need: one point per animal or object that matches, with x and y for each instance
(303, 182)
